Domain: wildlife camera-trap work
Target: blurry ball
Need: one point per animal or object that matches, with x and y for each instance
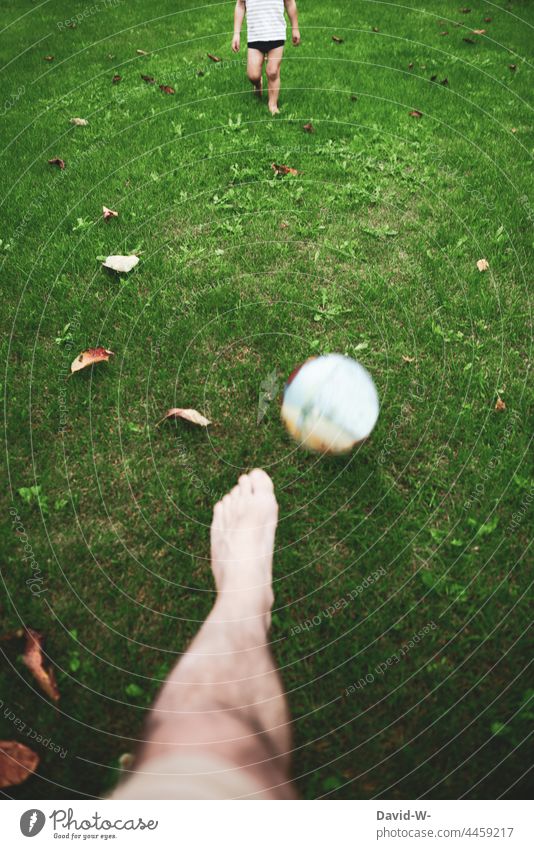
(330, 404)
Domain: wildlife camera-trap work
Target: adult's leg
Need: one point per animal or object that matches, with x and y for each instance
(255, 61)
(224, 697)
(274, 61)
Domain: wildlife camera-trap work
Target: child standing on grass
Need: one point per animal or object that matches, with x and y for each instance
(266, 27)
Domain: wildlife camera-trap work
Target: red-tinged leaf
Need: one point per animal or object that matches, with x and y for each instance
(17, 763)
(337, 39)
(469, 40)
(87, 358)
(109, 213)
(188, 415)
(282, 170)
(500, 406)
(167, 89)
(148, 79)
(48, 58)
(116, 79)
(309, 128)
(482, 264)
(213, 58)
(60, 163)
(479, 32)
(415, 113)
(488, 20)
(34, 660)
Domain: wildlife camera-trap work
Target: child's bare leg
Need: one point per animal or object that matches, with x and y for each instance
(224, 697)
(274, 60)
(254, 69)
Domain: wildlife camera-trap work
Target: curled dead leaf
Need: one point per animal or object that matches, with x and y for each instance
(500, 406)
(488, 20)
(281, 170)
(444, 32)
(48, 58)
(116, 79)
(309, 128)
(415, 113)
(17, 763)
(109, 213)
(213, 58)
(148, 79)
(34, 660)
(513, 67)
(469, 40)
(141, 52)
(482, 264)
(479, 32)
(337, 39)
(121, 264)
(59, 163)
(189, 415)
(87, 358)
(167, 89)
(79, 122)
(407, 359)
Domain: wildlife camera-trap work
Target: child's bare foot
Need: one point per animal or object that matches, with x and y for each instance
(242, 543)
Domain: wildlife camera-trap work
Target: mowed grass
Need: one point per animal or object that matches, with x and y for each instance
(370, 250)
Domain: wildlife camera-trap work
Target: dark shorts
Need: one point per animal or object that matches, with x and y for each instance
(265, 46)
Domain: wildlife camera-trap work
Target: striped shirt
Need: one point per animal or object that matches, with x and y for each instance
(265, 20)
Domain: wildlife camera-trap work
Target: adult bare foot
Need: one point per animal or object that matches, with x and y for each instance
(273, 109)
(242, 544)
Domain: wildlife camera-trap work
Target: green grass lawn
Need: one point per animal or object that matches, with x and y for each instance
(370, 250)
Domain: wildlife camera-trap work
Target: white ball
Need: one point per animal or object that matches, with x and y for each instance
(330, 404)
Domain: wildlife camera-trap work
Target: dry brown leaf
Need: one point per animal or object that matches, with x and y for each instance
(17, 763)
(284, 225)
(482, 264)
(167, 89)
(407, 359)
(121, 264)
(415, 113)
(479, 31)
(283, 169)
(309, 128)
(33, 659)
(500, 406)
(48, 58)
(488, 20)
(109, 213)
(189, 415)
(337, 39)
(141, 52)
(213, 58)
(60, 163)
(148, 79)
(469, 40)
(87, 358)
(465, 11)
(79, 122)
(445, 32)
(512, 67)
(116, 79)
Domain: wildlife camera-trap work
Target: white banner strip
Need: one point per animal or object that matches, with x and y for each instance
(264, 825)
